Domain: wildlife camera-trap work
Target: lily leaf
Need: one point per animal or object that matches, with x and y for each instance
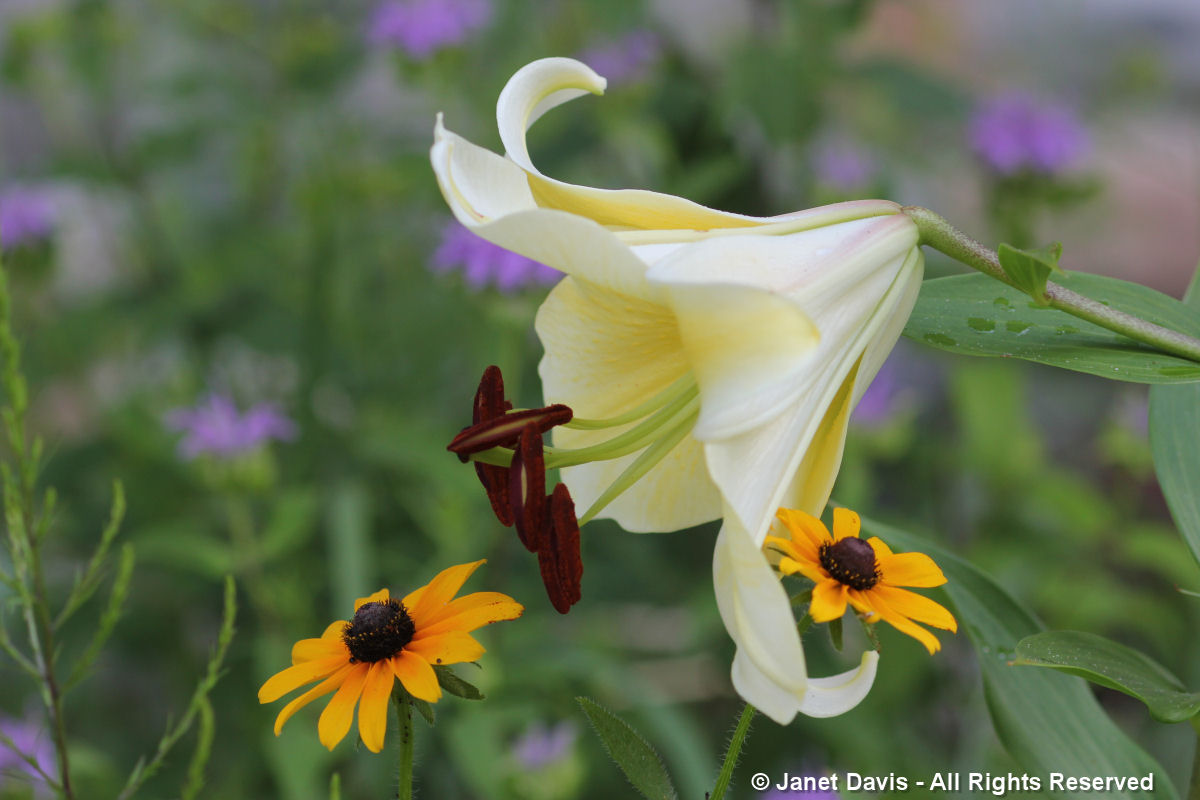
(1046, 723)
(1031, 268)
(1175, 443)
(633, 754)
(1107, 663)
(979, 316)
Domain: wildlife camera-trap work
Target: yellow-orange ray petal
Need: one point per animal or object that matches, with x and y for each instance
(828, 601)
(472, 611)
(416, 675)
(452, 647)
(800, 549)
(377, 597)
(910, 628)
(439, 591)
(336, 718)
(910, 569)
(335, 629)
(917, 607)
(412, 598)
(320, 690)
(312, 649)
(373, 708)
(880, 547)
(814, 572)
(861, 601)
(804, 527)
(296, 676)
(845, 523)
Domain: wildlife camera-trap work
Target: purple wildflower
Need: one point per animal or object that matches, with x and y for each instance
(215, 426)
(25, 216)
(878, 403)
(422, 27)
(626, 59)
(1015, 131)
(30, 741)
(483, 263)
(540, 746)
(843, 166)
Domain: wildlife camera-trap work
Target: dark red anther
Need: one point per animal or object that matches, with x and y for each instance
(495, 483)
(527, 489)
(505, 430)
(560, 561)
(489, 397)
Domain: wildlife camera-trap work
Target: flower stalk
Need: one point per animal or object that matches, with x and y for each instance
(939, 234)
(405, 717)
(732, 753)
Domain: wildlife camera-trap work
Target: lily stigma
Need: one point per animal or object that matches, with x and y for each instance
(709, 361)
(866, 575)
(387, 640)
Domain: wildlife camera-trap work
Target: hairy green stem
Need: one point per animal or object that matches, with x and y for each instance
(405, 715)
(939, 234)
(732, 753)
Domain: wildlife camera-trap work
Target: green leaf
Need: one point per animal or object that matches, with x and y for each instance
(835, 634)
(1046, 723)
(633, 754)
(979, 316)
(1113, 665)
(425, 709)
(1030, 269)
(449, 680)
(1175, 443)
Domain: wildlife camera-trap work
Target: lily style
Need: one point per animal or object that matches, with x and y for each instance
(710, 360)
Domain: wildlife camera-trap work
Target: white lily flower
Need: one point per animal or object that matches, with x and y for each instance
(728, 349)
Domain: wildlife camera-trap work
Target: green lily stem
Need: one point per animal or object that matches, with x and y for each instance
(405, 717)
(939, 234)
(732, 753)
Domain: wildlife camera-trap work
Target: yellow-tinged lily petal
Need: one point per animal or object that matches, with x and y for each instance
(538, 87)
(837, 694)
(769, 669)
(606, 353)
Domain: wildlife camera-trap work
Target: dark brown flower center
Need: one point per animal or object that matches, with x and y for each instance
(851, 561)
(378, 631)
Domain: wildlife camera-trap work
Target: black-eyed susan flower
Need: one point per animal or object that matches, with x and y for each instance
(866, 575)
(387, 640)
